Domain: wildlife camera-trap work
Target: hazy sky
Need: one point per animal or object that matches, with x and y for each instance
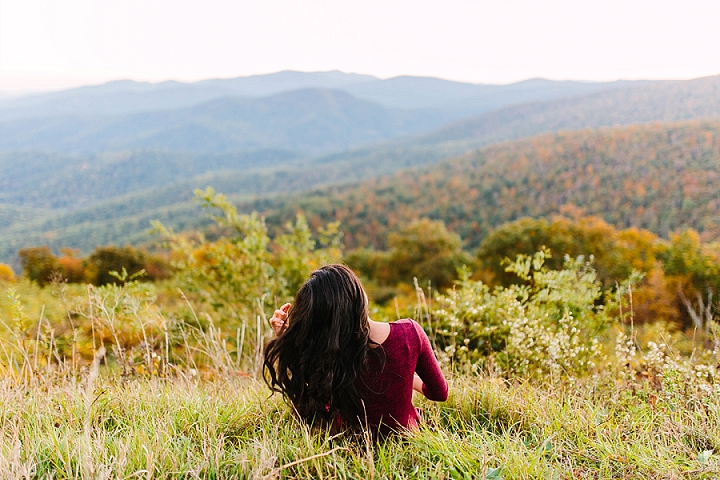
(51, 44)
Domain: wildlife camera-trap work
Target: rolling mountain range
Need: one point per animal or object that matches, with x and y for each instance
(309, 120)
(313, 113)
(98, 193)
(656, 102)
(454, 98)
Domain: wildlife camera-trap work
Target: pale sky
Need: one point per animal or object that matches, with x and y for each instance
(54, 44)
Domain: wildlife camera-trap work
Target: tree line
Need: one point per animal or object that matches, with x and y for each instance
(675, 275)
(105, 265)
(678, 277)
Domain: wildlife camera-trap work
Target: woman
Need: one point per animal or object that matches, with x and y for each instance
(339, 367)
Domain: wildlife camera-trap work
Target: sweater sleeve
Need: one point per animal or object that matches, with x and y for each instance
(435, 386)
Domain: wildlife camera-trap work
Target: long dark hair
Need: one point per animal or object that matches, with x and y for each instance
(317, 359)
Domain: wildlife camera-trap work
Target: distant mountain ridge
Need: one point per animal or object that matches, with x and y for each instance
(315, 113)
(457, 98)
(659, 101)
(463, 99)
(670, 101)
(310, 120)
(122, 97)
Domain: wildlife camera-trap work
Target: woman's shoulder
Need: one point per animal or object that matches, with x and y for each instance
(404, 321)
(407, 325)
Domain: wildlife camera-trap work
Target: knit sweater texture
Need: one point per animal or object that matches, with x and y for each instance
(386, 389)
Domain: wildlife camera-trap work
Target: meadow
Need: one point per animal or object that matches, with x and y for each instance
(134, 380)
(187, 427)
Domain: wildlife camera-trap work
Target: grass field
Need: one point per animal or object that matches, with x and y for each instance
(180, 402)
(186, 427)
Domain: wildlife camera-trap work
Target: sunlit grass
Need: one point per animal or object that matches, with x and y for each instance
(198, 410)
(231, 427)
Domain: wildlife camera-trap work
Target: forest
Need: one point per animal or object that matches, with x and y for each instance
(639, 200)
(659, 177)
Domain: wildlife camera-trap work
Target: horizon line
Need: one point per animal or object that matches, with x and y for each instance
(25, 92)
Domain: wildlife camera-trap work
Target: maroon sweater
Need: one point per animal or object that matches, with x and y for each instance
(387, 389)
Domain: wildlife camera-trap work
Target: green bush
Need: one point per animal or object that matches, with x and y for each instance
(246, 273)
(424, 249)
(104, 260)
(616, 253)
(548, 325)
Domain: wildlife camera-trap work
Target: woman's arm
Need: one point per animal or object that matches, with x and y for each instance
(433, 383)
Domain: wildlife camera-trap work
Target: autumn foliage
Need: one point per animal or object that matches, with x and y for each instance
(6, 273)
(42, 266)
(657, 177)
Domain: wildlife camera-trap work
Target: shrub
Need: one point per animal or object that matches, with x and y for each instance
(245, 273)
(664, 369)
(112, 259)
(616, 253)
(105, 260)
(6, 273)
(548, 325)
(424, 249)
(38, 264)
(71, 269)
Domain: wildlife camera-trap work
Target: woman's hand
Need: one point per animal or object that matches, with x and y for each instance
(279, 319)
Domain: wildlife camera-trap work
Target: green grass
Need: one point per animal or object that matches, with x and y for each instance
(649, 412)
(230, 427)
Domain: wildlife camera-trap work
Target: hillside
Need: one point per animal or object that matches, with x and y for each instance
(662, 101)
(310, 120)
(651, 102)
(126, 218)
(91, 193)
(660, 177)
(83, 180)
(656, 176)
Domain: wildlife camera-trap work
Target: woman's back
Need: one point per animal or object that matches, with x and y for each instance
(386, 388)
